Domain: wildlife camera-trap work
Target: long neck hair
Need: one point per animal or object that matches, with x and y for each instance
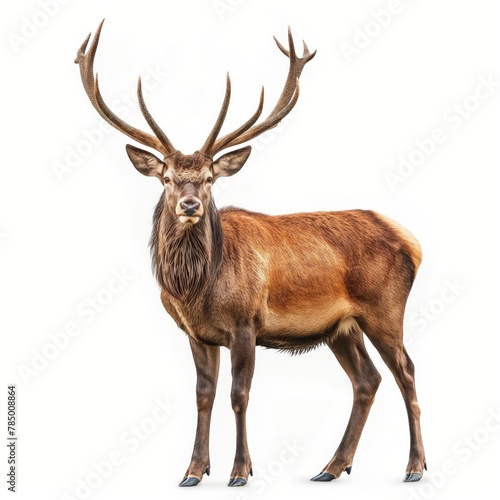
(185, 259)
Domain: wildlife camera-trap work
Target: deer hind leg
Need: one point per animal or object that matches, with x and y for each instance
(350, 351)
(389, 343)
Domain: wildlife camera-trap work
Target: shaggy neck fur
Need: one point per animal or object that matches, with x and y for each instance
(185, 258)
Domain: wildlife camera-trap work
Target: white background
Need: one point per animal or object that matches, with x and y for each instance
(62, 237)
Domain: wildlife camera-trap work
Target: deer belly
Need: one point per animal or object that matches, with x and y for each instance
(306, 318)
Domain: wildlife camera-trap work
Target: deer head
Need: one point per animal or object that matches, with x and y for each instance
(187, 179)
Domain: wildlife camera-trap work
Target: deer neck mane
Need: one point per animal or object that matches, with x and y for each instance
(185, 259)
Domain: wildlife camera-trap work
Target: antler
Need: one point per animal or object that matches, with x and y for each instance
(91, 85)
(285, 103)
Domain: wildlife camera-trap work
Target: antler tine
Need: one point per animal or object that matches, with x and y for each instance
(220, 120)
(306, 50)
(296, 66)
(91, 86)
(280, 46)
(291, 52)
(151, 121)
(270, 122)
(223, 142)
(86, 63)
(285, 104)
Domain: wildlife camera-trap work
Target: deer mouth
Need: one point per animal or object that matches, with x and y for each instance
(189, 219)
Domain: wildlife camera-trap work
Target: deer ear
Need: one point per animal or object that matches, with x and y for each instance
(144, 161)
(230, 163)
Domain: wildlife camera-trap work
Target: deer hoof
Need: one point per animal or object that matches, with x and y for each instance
(237, 481)
(323, 476)
(412, 477)
(189, 481)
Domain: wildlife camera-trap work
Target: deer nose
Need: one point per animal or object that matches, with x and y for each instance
(190, 206)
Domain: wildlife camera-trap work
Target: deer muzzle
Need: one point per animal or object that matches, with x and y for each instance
(189, 210)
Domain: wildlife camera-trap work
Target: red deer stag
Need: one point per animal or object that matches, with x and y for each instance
(241, 279)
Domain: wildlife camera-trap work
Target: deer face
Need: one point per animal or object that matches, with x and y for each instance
(187, 179)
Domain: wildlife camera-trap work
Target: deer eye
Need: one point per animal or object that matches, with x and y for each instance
(166, 180)
(209, 180)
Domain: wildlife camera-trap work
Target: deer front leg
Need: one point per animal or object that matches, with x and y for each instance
(206, 360)
(242, 366)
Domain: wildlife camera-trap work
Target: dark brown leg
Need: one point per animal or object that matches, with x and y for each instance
(206, 359)
(396, 358)
(242, 366)
(352, 356)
